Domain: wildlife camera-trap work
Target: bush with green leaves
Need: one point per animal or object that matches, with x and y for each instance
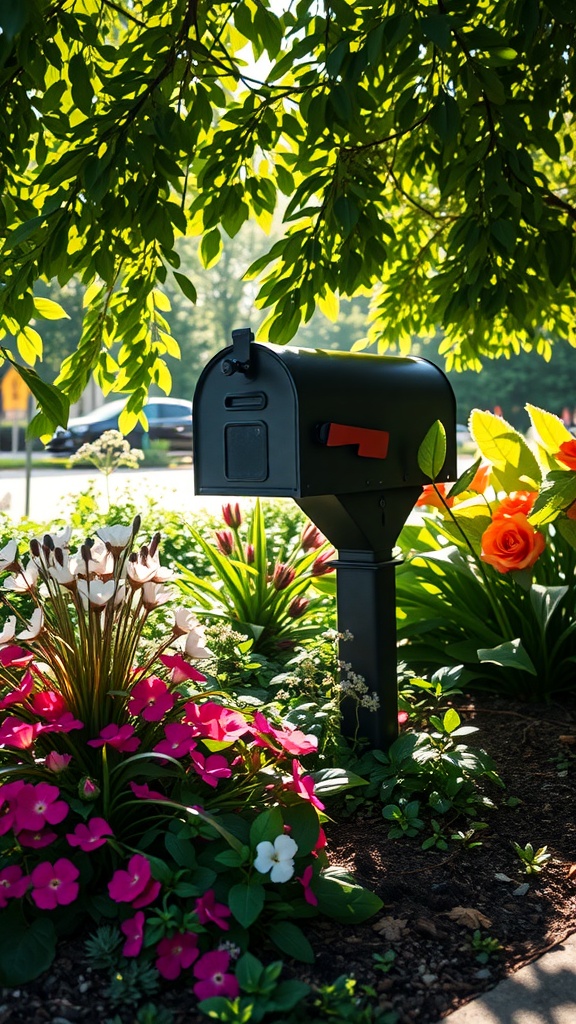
(489, 572)
(135, 792)
(263, 592)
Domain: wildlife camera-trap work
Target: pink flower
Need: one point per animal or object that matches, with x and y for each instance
(305, 880)
(135, 885)
(13, 884)
(14, 732)
(8, 803)
(151, 698)
(179, 740)
(65, 723)
(212, 768)
(91, 836)
(311, 538)
(14, 657)
(38, 805)
(214, 721)
(181, 669)
(133, 929)
(48, 704)
(297, 607)
(36, 840)
(304, 786)
(293, 741)
(175, 954)
(208, 910)
(54, 884)
(88, 789)
(56, 762)
(20, 694)
(144, 792)
(211, 970)
(121, 737)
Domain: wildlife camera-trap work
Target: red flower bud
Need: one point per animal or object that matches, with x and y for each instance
(320, 566)
(250, 554)
(282, 576)
(225, 541)
(311, 537)
(298, 607)
(232, 516)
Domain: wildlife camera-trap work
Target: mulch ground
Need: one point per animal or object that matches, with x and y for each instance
(435, 968)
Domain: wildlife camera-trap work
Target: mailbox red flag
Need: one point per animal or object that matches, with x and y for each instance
(372, 444)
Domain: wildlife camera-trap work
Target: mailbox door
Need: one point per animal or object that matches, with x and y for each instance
(246, 428)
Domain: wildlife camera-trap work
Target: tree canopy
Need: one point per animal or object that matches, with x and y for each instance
(421, 152)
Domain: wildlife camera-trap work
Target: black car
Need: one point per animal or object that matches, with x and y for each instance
(169, 419)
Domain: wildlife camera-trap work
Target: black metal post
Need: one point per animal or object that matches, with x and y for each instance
(367, 610)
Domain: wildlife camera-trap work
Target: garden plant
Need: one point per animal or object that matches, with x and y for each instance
(488, 579)
(137, 795)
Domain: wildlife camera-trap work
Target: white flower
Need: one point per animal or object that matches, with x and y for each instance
(23, 581)
(276, 858)
(184, 621)
(153, 594)
(140, 573)
(100, 562)
(65, 574)
(96, 593)
(35, 626)
(195, 646)
(118, 536)
(8, 631)
(8, 554)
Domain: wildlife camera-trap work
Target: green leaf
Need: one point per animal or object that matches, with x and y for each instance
(508, 655)
(344, 900)
(266, 827)
(465, 479)
(26, 948)
(436, 27)
(304, 826)
(432, 451)
(290, 939)
(246, 902)
(335, 780)
(248, 972)
(186, 287)
(545, 600)
(53, 403)
(210, 248)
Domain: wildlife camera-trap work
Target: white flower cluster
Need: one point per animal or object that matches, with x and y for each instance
(352, 684)
(103, 572)
(109, 451)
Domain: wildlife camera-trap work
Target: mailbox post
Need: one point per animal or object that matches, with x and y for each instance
(338, 432)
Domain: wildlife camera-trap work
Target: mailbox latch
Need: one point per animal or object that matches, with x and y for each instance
(240, 361)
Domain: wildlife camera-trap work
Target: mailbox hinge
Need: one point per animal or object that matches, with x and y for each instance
(240, 362)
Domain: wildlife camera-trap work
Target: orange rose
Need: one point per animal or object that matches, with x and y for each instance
(431, 497)
(511, 542)
(518, 501)
(567, 454)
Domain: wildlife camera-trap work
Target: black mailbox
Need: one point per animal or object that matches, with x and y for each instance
(339, 432)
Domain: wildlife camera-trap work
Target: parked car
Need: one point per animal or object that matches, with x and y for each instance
(463, 435)
(169, 419)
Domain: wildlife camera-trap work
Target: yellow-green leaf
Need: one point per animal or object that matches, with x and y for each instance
(329, 305)
(29, 345)
(549, 434)
(515, 467)
(49, 310)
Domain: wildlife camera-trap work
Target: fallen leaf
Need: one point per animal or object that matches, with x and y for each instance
(469, 917)
(572, 871)
(425, 926)
(392, 928)
(570, 739)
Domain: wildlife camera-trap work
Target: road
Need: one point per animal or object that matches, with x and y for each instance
(51, 490)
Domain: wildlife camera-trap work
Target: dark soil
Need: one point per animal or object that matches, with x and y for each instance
(435, 969)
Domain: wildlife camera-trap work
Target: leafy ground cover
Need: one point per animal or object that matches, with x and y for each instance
(453, 922)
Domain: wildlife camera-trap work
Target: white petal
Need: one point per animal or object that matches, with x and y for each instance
(117, 536)
(264, 857)
(9, 630)
(8, 553)
(34, 625)
(283, 871)
(195, 643)
(285, 847)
